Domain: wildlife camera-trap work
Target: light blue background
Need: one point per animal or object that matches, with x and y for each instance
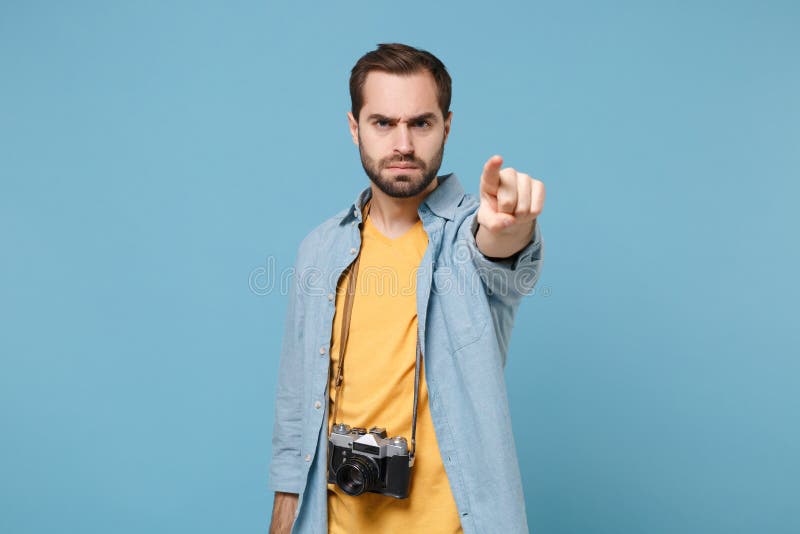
(155, 156)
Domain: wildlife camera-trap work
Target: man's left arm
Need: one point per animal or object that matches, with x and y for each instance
(505, 241)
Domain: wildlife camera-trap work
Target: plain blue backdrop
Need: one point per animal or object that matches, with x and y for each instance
(158, 160)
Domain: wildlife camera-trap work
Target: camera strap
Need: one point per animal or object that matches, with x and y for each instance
(352, 277)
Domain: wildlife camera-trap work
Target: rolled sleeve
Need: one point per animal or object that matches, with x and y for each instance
(286, 469)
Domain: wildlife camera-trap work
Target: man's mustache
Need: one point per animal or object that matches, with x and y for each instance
(416, 162)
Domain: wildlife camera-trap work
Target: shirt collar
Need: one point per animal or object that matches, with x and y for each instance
(442, 201)
(446, 197)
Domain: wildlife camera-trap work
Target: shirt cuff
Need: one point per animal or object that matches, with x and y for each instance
(286, 477)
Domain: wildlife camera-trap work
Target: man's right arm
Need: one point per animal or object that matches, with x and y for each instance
(283, 511)
(286, 467)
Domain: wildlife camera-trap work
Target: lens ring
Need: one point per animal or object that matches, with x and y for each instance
(356, 475)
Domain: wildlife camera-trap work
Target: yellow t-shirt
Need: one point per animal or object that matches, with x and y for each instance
(378, 388)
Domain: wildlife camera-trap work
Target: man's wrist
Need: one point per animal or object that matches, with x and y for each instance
(284, 510)
(502, 245)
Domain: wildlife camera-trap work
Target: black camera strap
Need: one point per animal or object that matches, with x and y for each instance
(352, 277)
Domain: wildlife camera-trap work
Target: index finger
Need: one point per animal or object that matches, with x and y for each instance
(490, 179)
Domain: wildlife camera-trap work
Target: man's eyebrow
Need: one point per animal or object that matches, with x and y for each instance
(379, 117)
(429, 116)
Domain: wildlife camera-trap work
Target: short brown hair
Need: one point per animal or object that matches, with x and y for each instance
(396, 58)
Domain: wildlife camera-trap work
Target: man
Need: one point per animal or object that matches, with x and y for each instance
(452, 270)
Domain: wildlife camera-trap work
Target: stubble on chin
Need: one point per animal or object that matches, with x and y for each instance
(402, 185)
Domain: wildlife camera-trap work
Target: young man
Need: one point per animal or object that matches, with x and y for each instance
(451, 270)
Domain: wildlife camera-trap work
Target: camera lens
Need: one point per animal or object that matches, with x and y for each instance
(356, 475)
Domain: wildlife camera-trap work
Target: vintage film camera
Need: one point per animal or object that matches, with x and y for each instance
(360, 461)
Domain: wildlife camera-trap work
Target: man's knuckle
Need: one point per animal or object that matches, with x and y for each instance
(507, 206)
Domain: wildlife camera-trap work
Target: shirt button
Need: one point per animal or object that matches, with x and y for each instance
(308, 457)
(353, 223)
(352, 251)
(322, 350)
(330, 296)
(317, 405)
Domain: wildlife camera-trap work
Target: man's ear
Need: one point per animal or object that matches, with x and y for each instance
(353, 123)
(447, 122)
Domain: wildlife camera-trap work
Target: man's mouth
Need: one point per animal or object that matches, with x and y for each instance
(402, 166)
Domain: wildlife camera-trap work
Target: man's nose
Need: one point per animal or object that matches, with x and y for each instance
(403, 142)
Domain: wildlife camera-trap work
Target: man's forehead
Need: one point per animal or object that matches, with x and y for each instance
(400, 94)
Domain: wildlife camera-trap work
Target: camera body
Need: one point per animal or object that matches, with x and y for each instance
(360, 461)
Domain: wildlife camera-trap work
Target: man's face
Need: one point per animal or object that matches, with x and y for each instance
(401, 132)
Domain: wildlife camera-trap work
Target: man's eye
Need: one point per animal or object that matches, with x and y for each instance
(382, 124)
(422, 124)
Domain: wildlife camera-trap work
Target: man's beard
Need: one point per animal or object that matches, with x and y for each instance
(401, 185)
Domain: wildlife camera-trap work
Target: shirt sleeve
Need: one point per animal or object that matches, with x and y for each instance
(511, 278)
(507, 280)
(286, 469)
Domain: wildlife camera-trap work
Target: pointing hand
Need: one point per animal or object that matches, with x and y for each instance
(510, 200)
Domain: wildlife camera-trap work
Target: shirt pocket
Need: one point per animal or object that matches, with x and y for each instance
(460, 304)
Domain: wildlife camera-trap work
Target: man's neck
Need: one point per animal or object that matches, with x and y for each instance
(393, 216)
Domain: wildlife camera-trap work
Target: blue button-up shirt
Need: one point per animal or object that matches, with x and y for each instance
(466, 305)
